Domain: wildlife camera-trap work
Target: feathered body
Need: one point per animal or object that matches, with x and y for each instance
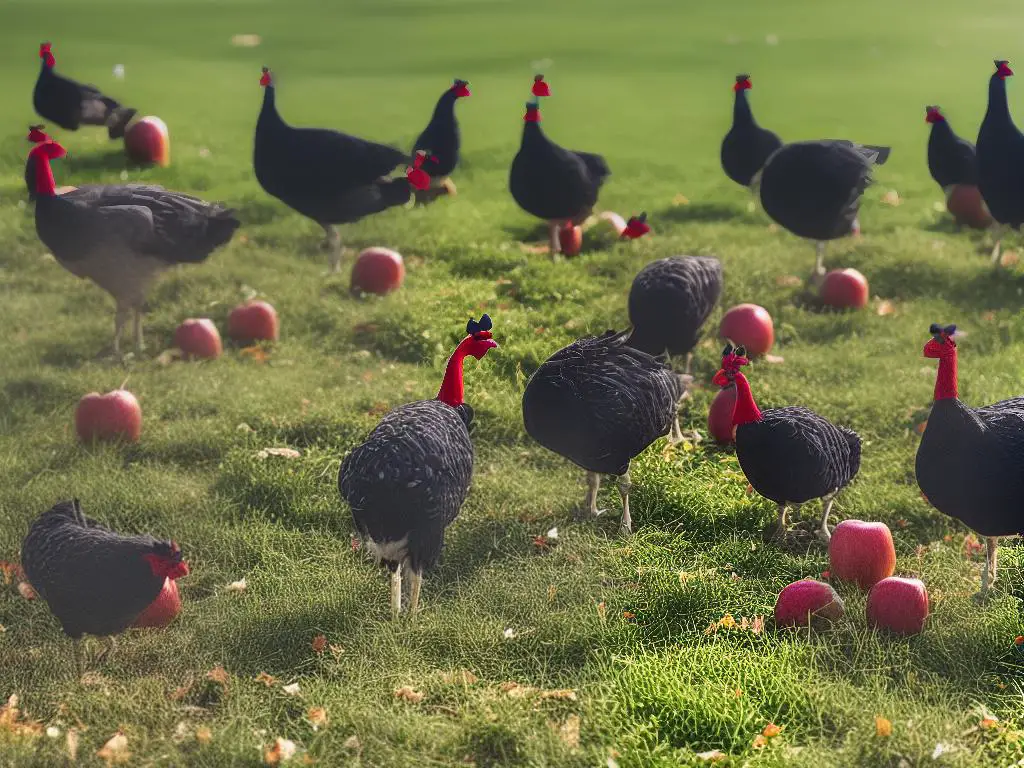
(551, 182)
(440, 139)
(95, 581)
(71, 104)
(747, 146)
(669, 302)
(813, 188)
(327, 176)
(1001, 155)
(599, 402)
(951, 159)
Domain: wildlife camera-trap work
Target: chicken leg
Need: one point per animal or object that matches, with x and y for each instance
(554, 241)
(625, 485)
(823, 532)
(988, 569)
(998, 230)
(415, 582)
(819, 262)
(121, 314)
(590, 509)
(333, 243)
(396, 591)
(778, 531)
(137, 329)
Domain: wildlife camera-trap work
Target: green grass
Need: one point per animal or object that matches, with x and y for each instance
(648, 84)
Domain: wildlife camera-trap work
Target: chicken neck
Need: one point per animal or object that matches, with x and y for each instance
(946, 380)
(452, 390)
(746, 409)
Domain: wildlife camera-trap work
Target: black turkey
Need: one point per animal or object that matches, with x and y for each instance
(600, 403)
(970, 463)
(789, 455)
(951, 159)
(406, 483)
(747, 146)
(440, 141)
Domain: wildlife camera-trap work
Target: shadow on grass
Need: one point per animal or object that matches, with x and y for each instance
(113, 159)
(985, 289)
(706, 212)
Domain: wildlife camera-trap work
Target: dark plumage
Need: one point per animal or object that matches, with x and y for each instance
(813, 188)
(600, 403)
(553, 183)
(789, 455)
(747, 146)
(440, 141)
(1001, 158)
(122, 237)
(951, 160)
(95, 581)
(70, 104)
(327, 176)
(669, 302)
(970, 463)
(406, 483)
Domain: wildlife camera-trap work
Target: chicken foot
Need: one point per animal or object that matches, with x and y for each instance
(998, 230)
(988, 568)
(590, 509)
(554, 241)
(333, 243)
(626, 527)
(819, 263)
(823, 532)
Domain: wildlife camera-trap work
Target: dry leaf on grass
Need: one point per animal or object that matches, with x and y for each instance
(284, 453)
(292, 689)
(115, 750)
(788, 281)
(14, 722)
(534, 248)
(281, 751)
(204, 735)
(712, 756)
(559, 694)
(258, 354)
(245, 41)
(515, 690)
(771, 730)
(759, 742)
(317, 716)
(885, 307)
(892, 197)
(680, 199)
(988, 722)
(267, 680)
(26, 591)
(459, 677)
(236, 586)
(218, 675)
(353, 743)
(1008, 258)
(319, 643)
(11, 571)
(71, 744)
(410, 694)
(569, 731)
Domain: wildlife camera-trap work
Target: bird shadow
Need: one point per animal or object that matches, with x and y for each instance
(987, 288)
(527, 233)
(705, 212)
(104, 160)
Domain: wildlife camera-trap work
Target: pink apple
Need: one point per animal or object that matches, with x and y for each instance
(861, 552)
(198, 338)
(807, 602)
(147, 141)
(570, 240)
(720, 415)
(253, 321)
(114, 416)
(899, 605)
(163, 610)
(844, 289)
(378, 270)
(750, 326)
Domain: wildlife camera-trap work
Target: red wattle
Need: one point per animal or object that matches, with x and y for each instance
(419, 178)
(746, 409)
(742, 85)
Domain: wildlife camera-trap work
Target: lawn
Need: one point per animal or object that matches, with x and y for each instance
(585, 650)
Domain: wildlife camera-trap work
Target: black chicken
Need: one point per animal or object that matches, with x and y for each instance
(122, 237)
(813, 189)
(600, 403)
(552, 183)
(95, 581)
(440, 141)
(70, 104)
(327, 176)
(1001, 160)
(747, 146)
(406, 483)
(951, 160)
(790, 455)
(969, 463)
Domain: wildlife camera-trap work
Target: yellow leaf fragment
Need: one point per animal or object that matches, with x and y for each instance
(115, 750)
(410, 694)
(883, 727)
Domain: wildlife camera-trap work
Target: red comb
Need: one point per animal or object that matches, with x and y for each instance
(418, 178)
(742, 85)
(36, 135)
(44, 48)
(266, 79)
(540, 88)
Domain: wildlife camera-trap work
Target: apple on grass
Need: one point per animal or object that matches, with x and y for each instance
(114, 416)
(720, 415)
(147, 142)
(378, 270)
(198, 338)
(844, 289)
(163, 610)
(899, 605)
(862, 552)
(750, 326)
(807, 602)
(968, 207)
(253, 321)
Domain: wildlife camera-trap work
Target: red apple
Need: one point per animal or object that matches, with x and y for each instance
(113, 416)
(163, 610)
(750, 326)
(844, 289)
(720, 415)
(253, 321)
(899, 605)
(146, 141)
(861, 552)
(198, 338)
(378, 270)
(807, 602)
(570, 240)
(968, 207)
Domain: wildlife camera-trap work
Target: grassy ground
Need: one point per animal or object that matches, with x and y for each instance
(619, 623)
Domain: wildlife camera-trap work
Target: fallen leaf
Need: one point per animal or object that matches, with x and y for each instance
(355, 543)
(885, 307)
(534, 248)
(712, 756)
(204, 735)
(11, 571)
(26, 591)
(281, 751)
(788, 281)
(245, 41)
(972, 546)
(410, 694)
(71, 744)
(771, 730)
(602, 610)
(267, 680)
(285, 453)
(680, 199)
(1018, 640)
(317, 716)
(115, 750)
(760, 742)
(569, 731)
(559, 694)
(515, 690)
(737, 693)
(883, 727)
(319, 643)
(939, 751)
(552, 591)
(292, 689)
(541, 543)
(988, 723)
(627, 615)
(236, 586)
(258, 354)
(774, 359)
(352, 743)
(1009, 258)
(509, 633)
(892, 197)
(218, 675)
(826, 574)
(459, 677)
